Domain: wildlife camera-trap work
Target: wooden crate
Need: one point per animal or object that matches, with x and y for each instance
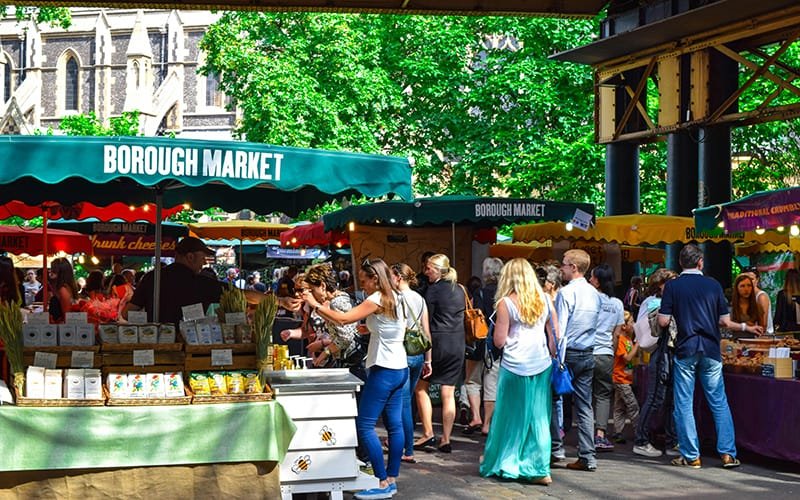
(64, 354)
(118, 358)
(198, 357)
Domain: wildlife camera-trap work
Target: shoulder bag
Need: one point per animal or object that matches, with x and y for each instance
(415, 340)
(491, 354)
(475, 327)
(560, 376)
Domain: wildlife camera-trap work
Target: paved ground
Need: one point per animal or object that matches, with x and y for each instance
(620, 474)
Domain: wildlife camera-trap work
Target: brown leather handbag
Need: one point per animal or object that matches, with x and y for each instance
(475, 325)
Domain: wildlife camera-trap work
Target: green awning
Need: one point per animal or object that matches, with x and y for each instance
(225, 174)
(478, 211)
(118, 226)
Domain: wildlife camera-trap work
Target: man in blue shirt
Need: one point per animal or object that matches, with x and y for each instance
(577, 306)
(699, 308)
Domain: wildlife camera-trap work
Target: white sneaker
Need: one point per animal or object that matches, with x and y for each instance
(647, 450)
(673, 452)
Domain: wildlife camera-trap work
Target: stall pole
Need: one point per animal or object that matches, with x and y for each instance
(453, 243)
(241, 255)
(157, 270)
(45, 275)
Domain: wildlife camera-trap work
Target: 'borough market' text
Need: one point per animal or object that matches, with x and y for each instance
(163, 160)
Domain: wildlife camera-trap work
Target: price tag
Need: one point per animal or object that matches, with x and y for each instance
(237, 318)
(144, 357)
(41, 318)
(137, 317)
(82, 359)
(45, 359)
(74, 318)
(582, 220)
(193, 312)
(221, 357)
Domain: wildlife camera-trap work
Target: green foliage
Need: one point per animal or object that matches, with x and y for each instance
(476, 117)
(88, 125)
(54, 16)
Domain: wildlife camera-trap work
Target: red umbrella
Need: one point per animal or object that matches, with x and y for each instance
(17, 240)
(84, 210)
(312, 235)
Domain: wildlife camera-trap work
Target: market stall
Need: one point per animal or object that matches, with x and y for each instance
(313, 235)
(169, 172)
(461, 227)
(118, 237)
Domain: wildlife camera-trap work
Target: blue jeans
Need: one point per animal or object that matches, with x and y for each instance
(414, 370)
(581, 365)
(710, 372)
(382, 394)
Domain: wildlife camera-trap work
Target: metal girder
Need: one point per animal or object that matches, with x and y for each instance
(734, 42)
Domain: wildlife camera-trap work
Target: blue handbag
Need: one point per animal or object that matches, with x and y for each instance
(560, 376)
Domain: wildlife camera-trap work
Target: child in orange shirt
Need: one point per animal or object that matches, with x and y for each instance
(625, 404)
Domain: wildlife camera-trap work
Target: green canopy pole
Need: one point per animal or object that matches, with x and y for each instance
(157, 270)
(453, 236)
(241, 256)
(45, 274)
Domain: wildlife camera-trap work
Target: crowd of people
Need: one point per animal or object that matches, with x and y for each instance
(539, 314)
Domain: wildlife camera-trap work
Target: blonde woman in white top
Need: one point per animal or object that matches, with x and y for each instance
(518, 445)
(387, 370)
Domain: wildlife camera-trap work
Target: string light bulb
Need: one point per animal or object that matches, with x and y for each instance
(569, 226)
(794, 230)
(760, 231)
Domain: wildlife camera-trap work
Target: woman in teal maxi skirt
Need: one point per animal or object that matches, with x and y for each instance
(518, 445)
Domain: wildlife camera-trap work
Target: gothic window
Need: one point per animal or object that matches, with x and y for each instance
(137, 77)
(5, 70)
(71, 85)
(214, 96)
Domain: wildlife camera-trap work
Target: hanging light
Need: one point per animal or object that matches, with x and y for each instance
(146, 208)
(794, 230)
(351, 226)
(82, 259)
(303, 251)
(569, 226)
(409, 222)
(95, 260)
(760, 231)
(721, 224)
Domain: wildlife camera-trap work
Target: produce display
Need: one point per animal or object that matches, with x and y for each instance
(750, 355)
(149, 333)
(145, 385)
(221, 383)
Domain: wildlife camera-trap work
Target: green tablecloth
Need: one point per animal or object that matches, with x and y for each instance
(132, 436)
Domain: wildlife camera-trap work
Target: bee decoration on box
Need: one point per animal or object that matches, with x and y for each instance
(328, 436)
(301, 464)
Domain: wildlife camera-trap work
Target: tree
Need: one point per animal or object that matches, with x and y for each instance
(473, 100)
(55, 16)
(126, 124)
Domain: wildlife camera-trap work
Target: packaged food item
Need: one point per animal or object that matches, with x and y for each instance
(74, 384)
(84, 334)
(34, 382)
(173, 382)
(92, 384)
(198, 381)
(217, 384)
(128, 334)
(236, 383)
(66, 335)
(252, 383)
(109, 334)
(49, 335)
(166, 333)
(216, 333)
(189, 332)
(118, 385)
(52, 384)
(148, 334)
(203, 333)
(228, 333)
(137, 382)
(31, 335)
(244, 334)
(155, 385)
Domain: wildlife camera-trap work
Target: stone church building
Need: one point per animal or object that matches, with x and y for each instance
(107, 62)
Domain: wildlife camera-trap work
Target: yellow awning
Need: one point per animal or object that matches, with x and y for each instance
(539, 252)
(238, 230)
(639, 229)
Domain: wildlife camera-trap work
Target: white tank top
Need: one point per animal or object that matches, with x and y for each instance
(526, 351)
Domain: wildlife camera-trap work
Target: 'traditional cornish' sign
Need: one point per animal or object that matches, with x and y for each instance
(764, 210)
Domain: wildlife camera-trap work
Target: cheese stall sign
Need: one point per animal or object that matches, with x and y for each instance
(178, 162)
(499, 209)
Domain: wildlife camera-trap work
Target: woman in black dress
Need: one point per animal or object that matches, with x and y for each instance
(446, 305)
